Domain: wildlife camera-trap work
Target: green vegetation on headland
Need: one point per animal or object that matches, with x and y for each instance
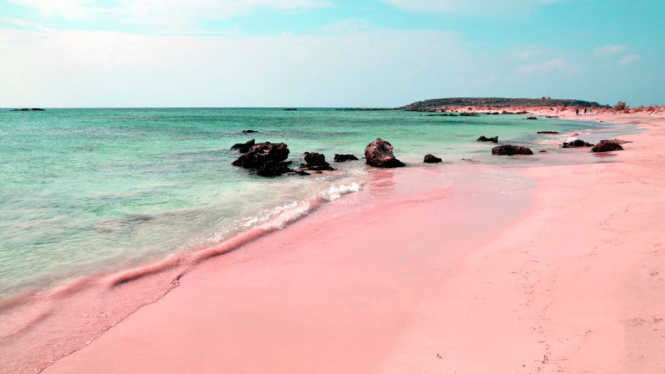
(498, 102)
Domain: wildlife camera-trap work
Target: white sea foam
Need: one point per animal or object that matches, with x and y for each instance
(335, 192)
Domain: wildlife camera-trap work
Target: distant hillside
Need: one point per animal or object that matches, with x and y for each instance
(497, 102)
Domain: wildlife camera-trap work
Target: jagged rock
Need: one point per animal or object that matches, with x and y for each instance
(379, 153)
(511, 150)
(485, 139)
(243, 147)
(607, 146)
(578, 143)
(345, 158)
(431, 159)
(266, 159)
(316, 161)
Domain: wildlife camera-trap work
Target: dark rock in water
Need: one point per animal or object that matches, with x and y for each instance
(316, 161)
(511, 150)
(543, 151)
(38, 110)
(469, 114)
(249, 131)
(485, 139)
(607, 146)
(379, 153)
(469, 160)
(243, 147)
(431, 159)
(21, 110)
(532, 118)
(345, 158)
(290, 109)
(266, 159)
(548, 132)
(579, 143)
(495, 113)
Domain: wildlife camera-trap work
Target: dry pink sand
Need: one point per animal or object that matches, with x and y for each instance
(428, 284)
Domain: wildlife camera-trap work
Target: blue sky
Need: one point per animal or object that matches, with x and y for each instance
(137, 53)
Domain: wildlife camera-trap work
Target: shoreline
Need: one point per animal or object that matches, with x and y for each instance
(465, 310)
(252, 244)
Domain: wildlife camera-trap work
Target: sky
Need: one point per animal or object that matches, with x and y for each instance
(327, 53)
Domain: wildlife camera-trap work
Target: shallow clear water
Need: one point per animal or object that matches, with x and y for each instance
(96, 189)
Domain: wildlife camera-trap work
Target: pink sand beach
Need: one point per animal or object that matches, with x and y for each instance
(544, 269)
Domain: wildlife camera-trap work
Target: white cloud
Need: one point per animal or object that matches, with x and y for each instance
(483, 7)
(610, 50)
(348, 26)
(164, 12)
(104, 68)
(627, 60)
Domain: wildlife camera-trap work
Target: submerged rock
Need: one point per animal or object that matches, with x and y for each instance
(511, 150)
(345, 158)
(316, 161)
(548, 132)
(249, 131)
(266, 159)
(485, 139)
(379, 153)
(431, 159)
(243, 147)
(578, 143)
(607, 146)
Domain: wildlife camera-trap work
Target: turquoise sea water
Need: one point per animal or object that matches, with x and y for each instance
(97, 189)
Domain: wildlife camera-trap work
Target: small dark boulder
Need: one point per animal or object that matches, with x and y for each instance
(249, 131)
(511, 150)
(548, 132)
(578, 143)
(316, 161)
(485, 139)
(345, 158)
(431, 159)
(266, 159)
(532, 118)
(243, 147)
(379, 153)
(542, 151)
(607, 146)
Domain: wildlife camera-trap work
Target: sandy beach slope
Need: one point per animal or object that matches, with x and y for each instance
(480, 282)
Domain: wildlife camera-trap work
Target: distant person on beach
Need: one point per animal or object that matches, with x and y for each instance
(577, 112)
